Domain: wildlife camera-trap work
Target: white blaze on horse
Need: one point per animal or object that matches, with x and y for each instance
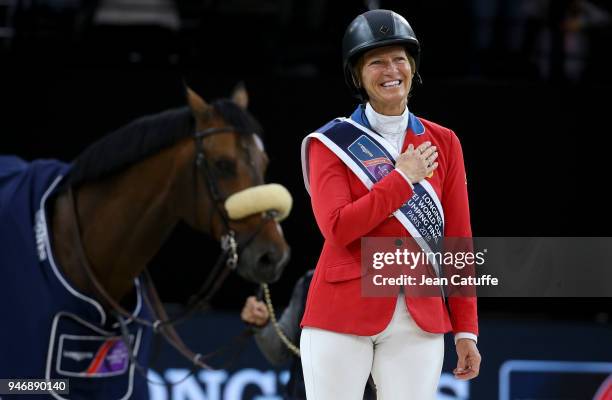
(75, 240)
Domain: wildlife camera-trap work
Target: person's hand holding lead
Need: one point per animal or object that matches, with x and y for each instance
(255, 312)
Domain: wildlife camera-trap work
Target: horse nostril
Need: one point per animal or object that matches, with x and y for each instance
(269, 258)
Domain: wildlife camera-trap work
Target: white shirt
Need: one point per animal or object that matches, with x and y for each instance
(391, 127)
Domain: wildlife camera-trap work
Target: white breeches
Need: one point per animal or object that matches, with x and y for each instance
(405, 361)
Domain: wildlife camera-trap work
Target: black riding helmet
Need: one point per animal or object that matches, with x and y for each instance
(373, 29)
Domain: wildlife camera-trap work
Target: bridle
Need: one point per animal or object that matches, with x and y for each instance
(201, 167)
(225, 263)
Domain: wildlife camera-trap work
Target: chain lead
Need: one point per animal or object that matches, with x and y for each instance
(292, 347)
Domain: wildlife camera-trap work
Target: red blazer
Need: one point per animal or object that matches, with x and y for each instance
(345, 211)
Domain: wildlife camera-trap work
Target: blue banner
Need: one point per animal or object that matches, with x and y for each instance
(522, 359)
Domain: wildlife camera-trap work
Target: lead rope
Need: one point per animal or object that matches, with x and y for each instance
(279, 331)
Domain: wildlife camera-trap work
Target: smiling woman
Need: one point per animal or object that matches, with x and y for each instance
(362, 171)
(386, 76)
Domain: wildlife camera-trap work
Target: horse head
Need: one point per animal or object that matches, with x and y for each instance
(229, 198)
(203, 164)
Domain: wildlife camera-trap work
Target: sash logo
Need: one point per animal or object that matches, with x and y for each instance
(366, 151)
(371, 157)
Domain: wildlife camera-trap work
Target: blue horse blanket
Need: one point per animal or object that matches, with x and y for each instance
(49, 329)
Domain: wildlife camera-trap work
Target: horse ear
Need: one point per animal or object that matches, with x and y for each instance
(196, 102)
(240, 96)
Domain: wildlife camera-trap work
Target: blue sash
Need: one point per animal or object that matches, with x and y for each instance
(371, 157)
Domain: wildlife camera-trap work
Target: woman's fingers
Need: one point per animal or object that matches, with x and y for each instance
(424, 151)
(423, 147)
(431, 158)
(428, 152)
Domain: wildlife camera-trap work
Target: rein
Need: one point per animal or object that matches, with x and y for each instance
(225, 263)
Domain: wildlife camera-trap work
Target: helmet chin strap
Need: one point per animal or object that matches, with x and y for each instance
(417, 78)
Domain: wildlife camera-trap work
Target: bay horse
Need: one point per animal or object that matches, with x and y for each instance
(76, 238)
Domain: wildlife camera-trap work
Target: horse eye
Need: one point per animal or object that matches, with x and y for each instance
(225, 168)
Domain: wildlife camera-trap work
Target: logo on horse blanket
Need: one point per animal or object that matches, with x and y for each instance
(95, 360)
(107, 356)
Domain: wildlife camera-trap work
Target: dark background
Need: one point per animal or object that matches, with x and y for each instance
(525, 89)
